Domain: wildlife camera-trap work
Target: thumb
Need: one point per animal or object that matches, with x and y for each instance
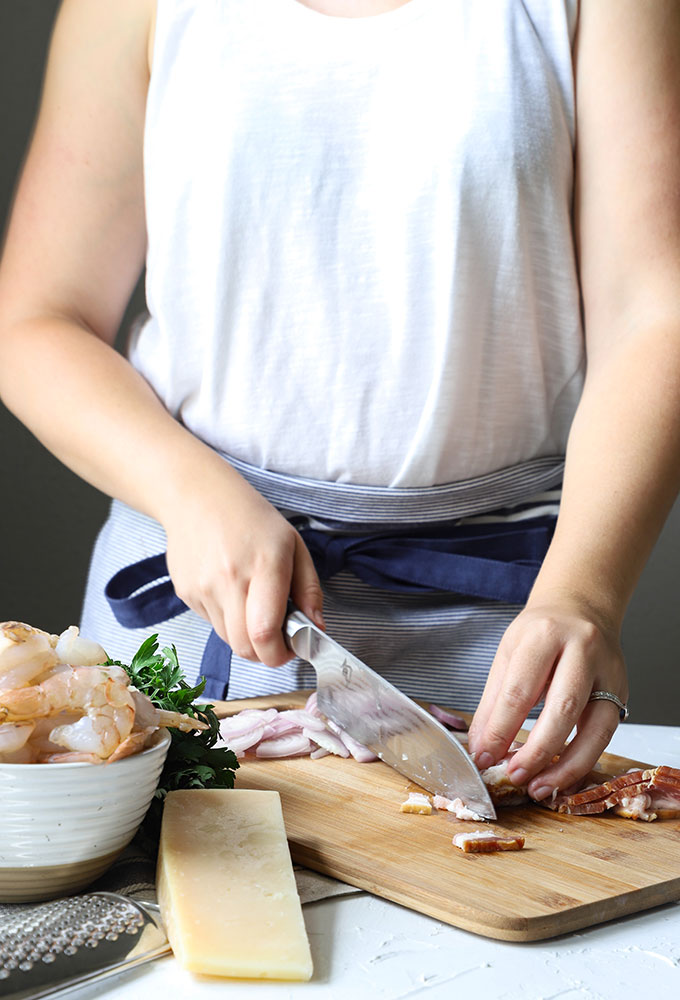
(305, 589)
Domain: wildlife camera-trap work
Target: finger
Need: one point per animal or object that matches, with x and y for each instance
(491, 692)
(528, 669)
(232, 608)
(265, 611)
(305, 587)
(565, 701)
(597, 725)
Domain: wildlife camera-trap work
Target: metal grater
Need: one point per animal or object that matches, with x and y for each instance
(47, 949)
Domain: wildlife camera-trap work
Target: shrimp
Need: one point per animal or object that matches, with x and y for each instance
(99, 732)
(100, 697)
(25, 653)
(132, 744)
(14, 737)
(147, 715)
(60, 702)
(69, 757)
(40, 739)
(103, 709)
(73, 689)
(73, 649)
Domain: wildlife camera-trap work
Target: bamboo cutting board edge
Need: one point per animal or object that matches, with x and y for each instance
(315, 812)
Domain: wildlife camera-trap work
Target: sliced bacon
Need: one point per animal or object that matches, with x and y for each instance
(595, 792)
(486, 841)
(457, 807)
(666, 779)
(669, 775)
(417, 802)
(635, 807)
(637, 794)
(580, 809)
(501, 790)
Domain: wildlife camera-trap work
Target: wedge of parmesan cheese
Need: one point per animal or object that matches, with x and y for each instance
(226, 887)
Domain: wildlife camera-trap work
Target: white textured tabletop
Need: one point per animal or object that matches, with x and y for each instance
(364, 946)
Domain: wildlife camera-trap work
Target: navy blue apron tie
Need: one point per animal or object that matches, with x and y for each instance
(495, 561)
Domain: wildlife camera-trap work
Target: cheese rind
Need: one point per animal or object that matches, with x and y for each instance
(226, 886)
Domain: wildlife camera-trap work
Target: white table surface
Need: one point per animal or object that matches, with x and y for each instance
(366, 947)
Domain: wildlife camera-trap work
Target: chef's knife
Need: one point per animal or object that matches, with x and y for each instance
(378, 715)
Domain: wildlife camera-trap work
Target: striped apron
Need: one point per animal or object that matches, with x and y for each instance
(419, 583)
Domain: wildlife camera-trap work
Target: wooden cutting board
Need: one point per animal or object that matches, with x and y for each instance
(343, 819)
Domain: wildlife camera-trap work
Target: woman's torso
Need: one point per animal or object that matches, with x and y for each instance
(361, 263)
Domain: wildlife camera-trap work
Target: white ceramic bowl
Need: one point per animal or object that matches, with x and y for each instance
(63, 825)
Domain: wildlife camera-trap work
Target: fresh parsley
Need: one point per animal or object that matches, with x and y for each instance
(193, 760)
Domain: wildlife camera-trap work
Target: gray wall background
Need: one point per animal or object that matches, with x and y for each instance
(49, 518)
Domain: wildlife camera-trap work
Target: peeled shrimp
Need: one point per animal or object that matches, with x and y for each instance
(106, 706)
(69, 757)
(73, 649)
(74, 689)
(13, 739)
(106, 715)
(59, 703)
(100, 732)
(25, 653)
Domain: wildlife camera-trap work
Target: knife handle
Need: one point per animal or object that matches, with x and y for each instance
(293, 622)
(297, 631)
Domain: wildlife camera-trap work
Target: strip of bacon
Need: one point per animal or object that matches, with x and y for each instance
(635, 807)
(501, 790)
(486, 841)
(457, 807)
(665, 779)
(417, 802)
(580, 808)
(647, 795)
(670, 775)
(595, 792)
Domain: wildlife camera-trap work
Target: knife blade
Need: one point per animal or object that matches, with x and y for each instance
(391, 724)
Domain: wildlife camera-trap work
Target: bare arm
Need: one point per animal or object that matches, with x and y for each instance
(74, 251)
(623, 457)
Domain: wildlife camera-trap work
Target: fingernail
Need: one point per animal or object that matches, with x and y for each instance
(318, 620)
(518, 776)
(541, 793)
(484, 760)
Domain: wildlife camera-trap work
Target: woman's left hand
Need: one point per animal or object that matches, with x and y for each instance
(558, 651)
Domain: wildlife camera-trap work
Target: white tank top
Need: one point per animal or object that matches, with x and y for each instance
(361, 260)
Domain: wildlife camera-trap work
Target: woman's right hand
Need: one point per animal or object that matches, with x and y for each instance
(235, 560)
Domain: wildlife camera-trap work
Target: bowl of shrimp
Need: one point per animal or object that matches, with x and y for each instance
(81, 754)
